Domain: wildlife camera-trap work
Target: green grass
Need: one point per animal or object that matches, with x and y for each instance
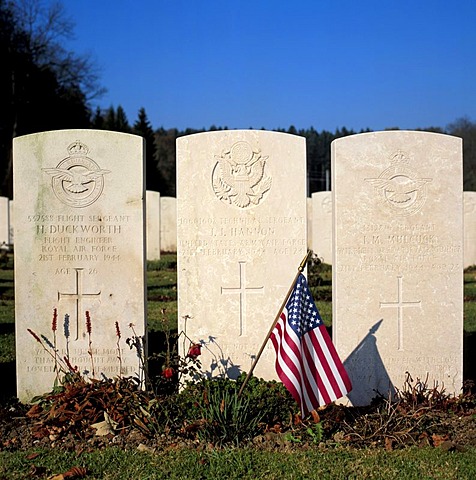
(325, 309)
(245, 463)
(470, 317)
(7, 311)
(7, 348)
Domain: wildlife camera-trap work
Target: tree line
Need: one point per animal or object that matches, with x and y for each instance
(46, 87)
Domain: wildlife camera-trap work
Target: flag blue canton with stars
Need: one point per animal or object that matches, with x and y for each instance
(303, 313)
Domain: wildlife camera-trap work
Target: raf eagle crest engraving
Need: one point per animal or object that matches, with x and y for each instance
(399, 186)
(77, 180)
(239, 176)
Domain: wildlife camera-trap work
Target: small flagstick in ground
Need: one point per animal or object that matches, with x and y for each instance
(301, 268)
(306, 360)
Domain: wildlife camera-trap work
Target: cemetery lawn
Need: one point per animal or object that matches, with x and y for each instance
(425, 436)
(242, 463)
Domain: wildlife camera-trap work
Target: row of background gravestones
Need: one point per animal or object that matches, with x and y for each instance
(161, 224)
(242, 232)
(161, 230)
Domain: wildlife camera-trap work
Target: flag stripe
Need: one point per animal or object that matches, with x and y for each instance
(339, 375)
(306, 360)
(286, 370)
(316, 370)
(327, 362)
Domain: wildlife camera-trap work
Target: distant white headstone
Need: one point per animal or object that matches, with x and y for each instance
(469, 228)
(153, 225)
(241, 237)
(168, 224)
(398, 260)
(11, 230)
(322, 226)
(4, 221)
(309, 222)
(79, 247)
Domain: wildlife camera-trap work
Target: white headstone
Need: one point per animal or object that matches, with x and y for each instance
(241, 237)
(469, 228)
(11, 230)
(398, 260)
(4, 221)
(309, 222)
(153, 225)
(322, 226)
(79, 247)
(168, 224)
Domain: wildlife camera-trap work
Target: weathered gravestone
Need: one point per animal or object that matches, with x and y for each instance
(322, 225)
(469, 199)
(241, 237)
(168, 224)
(79, 246)
(398, 260)
(4, 221)
(153, 225)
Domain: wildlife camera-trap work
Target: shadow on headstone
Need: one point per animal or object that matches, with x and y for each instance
(367, 371)
(220, 367)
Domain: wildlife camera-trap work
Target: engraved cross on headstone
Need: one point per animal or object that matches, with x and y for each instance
(400, 304)
(78, 296)
(242, 290)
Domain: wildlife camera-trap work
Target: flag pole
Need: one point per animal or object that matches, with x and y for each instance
(300, 270)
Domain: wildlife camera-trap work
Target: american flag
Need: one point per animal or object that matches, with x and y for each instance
(306, 360)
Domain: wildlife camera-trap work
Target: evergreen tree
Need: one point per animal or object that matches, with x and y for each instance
(466, 129)
(109, 119)
(98, 120)
(122, 124)
(142, 127)
(115, 120)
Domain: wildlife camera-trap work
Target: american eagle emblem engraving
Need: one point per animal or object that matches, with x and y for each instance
(239, 176)
(77, 180)
(400, 187)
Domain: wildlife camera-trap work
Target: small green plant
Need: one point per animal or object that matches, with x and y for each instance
(315, 432)
(226, 418)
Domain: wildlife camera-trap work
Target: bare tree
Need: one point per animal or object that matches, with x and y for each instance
(46, 28)
(44, 85)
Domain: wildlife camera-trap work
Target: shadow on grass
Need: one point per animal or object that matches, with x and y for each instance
(156, 347)
(8, 389)
(469, 365)
(6, 328)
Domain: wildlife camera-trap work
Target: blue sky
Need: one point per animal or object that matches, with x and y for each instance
(272, 64)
